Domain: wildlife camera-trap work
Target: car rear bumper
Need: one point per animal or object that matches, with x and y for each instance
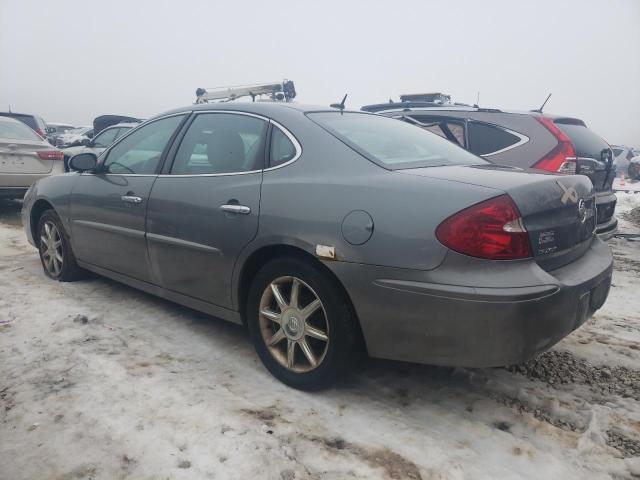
(605, 207)
(515, 312)
(12, 192)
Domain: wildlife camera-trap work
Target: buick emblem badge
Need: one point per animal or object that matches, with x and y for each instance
(582, 210)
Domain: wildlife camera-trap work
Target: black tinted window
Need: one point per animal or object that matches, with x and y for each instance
(391, 143)
(221, 143)
(140, 152)
(485, 139)
(282, 149)
(586, 143)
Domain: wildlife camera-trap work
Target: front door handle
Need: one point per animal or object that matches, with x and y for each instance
(131, 199)
(234, 208)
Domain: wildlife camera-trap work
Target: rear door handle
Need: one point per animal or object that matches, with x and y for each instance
(131, 199)
(234, 208)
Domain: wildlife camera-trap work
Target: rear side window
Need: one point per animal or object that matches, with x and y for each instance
(218, 143)
(485, 139)
(586, 143)
(282, 149)
(16, 131)
(28, 120)
(391, 143)
(617, 151)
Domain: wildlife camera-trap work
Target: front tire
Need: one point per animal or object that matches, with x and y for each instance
(301, 323)
(54, 246)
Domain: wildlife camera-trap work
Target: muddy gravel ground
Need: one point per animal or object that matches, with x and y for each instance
(100, 381)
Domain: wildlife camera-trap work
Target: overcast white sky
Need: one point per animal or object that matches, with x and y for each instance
(70, 61)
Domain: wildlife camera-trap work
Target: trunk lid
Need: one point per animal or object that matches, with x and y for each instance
(20, 156)
(558, 211)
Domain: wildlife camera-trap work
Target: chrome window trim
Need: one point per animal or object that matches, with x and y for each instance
(289, 135)
(293, 140)
(105, 153)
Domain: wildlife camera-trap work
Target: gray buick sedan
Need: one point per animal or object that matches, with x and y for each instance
(329, 234)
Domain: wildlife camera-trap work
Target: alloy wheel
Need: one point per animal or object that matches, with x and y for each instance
(51, 248)
(294, 324)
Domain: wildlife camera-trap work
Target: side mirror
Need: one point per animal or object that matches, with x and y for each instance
(83, 162)
(86, 142)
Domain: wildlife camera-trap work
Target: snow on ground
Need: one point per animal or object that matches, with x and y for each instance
(100, 381)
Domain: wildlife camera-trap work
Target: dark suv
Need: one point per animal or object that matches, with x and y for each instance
(521, 139)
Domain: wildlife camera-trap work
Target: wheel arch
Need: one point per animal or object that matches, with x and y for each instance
(264, 254)
(39, 206)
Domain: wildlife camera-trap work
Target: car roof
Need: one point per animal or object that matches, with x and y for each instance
(400, 107)
(121, 125)
(264, 108)
(10, 114)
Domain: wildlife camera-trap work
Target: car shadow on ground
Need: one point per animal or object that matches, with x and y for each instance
(10, 212)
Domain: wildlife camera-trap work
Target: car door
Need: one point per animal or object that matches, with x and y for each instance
(204, 210)
(108, 208)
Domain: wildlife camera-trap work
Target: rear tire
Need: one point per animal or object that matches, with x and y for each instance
(306, 339)
(54, 246)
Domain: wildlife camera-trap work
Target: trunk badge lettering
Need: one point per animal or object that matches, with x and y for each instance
(547, 237)
(569, 193)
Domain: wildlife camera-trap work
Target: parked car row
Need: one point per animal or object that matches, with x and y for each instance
(627, 161)
(24, 158)
(532, 139)
(331, 233)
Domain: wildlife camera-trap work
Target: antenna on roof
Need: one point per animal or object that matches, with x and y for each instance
(340, 106)
(539, 110)
(477, 100)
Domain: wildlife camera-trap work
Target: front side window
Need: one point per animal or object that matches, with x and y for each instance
(282, 149)
(485, 139)
(393, 144)
(140, 152)
(17, 131)
(106, 138)
(217, 143)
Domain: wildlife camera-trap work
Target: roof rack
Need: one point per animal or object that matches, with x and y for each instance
(437, 97)
(284, 91)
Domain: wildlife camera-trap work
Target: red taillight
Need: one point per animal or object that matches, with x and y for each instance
(50, 154)
(562, 158)
(40, 132)
(491, 229)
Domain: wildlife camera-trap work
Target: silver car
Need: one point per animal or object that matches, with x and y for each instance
(24, 158)
(330, 234)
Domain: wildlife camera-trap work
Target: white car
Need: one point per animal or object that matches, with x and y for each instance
(74, 136)
(24, 158)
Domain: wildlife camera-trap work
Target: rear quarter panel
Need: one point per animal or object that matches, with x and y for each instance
(305, 203)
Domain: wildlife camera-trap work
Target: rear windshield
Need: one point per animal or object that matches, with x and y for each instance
(393, 144)
(16, 131)
(26, 119)
(587, 143)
